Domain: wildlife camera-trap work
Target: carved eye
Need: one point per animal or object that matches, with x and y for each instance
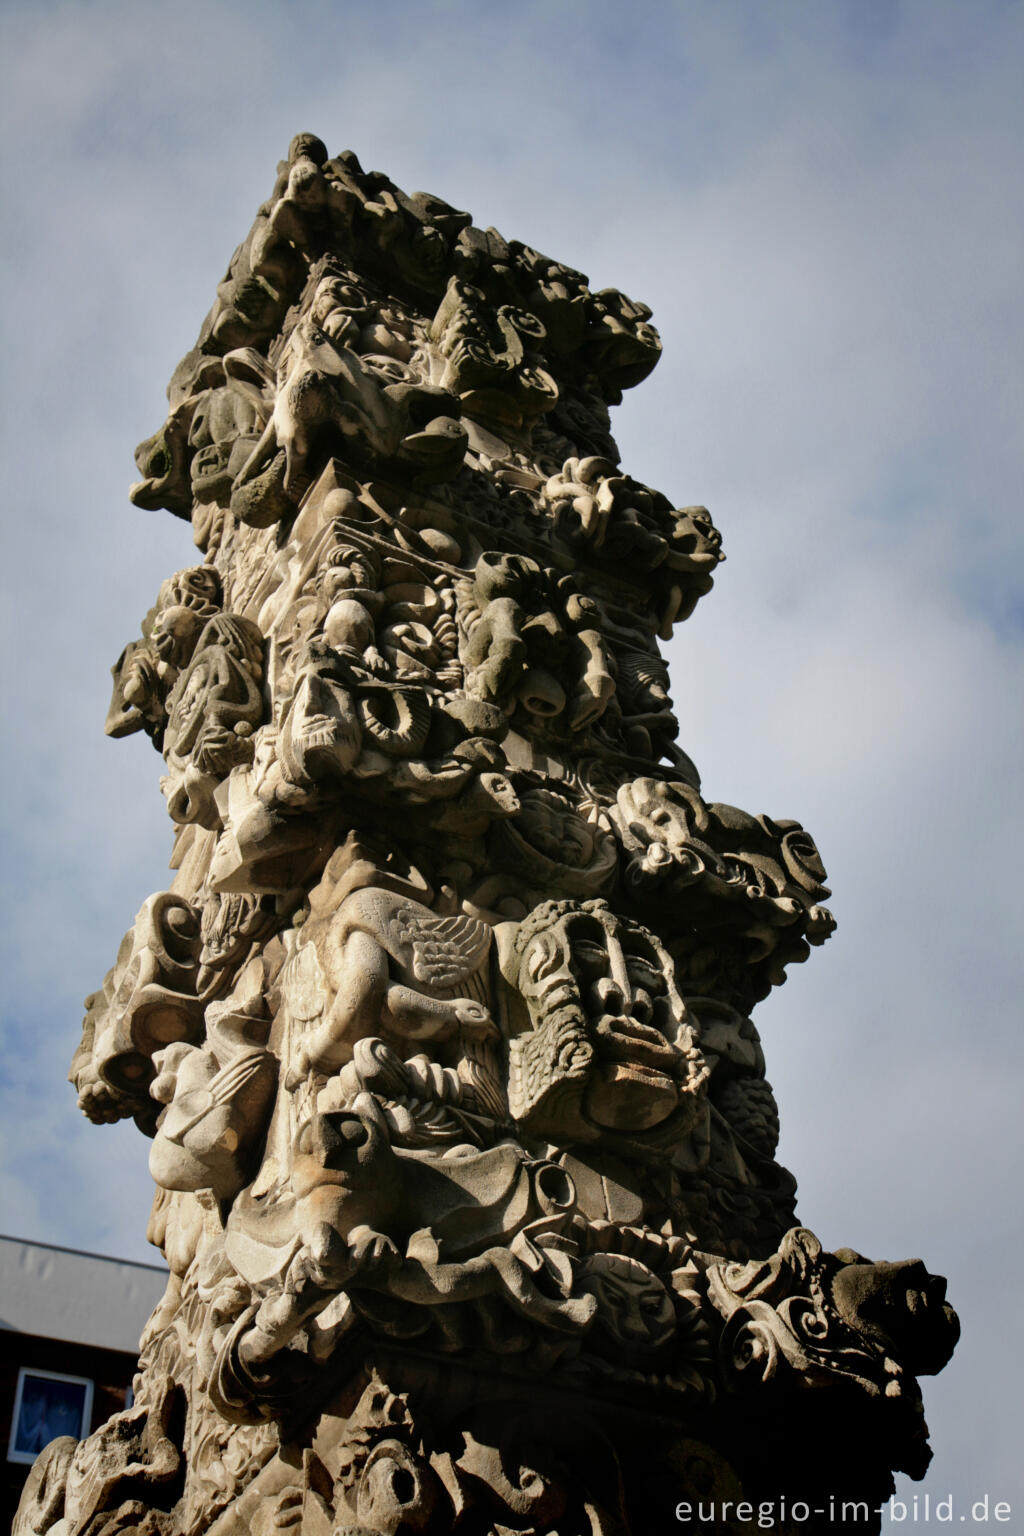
(555, 1187)
(589, 955)
(645, 973)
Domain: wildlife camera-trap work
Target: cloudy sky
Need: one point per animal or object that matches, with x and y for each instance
(823, 204)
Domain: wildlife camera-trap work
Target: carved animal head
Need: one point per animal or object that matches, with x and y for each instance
(803, 1318)
(658, 822)
(901, 1307)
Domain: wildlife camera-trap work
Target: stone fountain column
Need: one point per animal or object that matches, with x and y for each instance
(441, 1036)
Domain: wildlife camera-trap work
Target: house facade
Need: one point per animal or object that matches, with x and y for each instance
(70, 1326)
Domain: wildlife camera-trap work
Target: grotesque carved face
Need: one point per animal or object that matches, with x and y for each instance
(348, 569)
(661, 820)
(635, 1313)
(222, 432)
(611, 1034)
(901, 1307)
(625, 995)
(696, 542)
(549, 841)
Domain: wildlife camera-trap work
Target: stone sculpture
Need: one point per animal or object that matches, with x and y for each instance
(463, 1144)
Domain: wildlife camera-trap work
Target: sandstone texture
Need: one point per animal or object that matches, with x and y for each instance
(441, 1034)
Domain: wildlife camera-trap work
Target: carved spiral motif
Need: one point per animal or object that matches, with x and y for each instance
(748, 1352)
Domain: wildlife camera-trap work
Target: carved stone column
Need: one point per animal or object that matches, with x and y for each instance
(463, 1147)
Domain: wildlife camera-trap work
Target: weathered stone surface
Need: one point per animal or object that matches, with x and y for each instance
(463, 1144)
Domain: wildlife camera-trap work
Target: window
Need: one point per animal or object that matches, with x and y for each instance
(47, 1405)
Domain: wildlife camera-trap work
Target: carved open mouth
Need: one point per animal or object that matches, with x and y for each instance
(643, 1047)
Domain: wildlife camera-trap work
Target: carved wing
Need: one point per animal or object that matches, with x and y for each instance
(445, 950)
(304, 985)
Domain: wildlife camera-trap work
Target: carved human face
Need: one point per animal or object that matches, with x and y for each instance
(198, 588)
(184, 603)
(696, 542)
(607, 1020)
(630, 1019)
(338, 309)
(635, 1312)
(550, 824)
(347, 569)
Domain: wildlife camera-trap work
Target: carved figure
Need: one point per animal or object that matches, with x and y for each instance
(322, 386)
(491, 357)
(148, 1000)
(217, 1098)
(754, 876)
(426, 1233)
(396, 968)
(213, 710)
(612, 515)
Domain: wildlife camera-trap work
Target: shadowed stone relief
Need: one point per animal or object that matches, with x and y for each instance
(463, 1146)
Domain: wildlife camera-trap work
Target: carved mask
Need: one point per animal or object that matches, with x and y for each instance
(612, 1048)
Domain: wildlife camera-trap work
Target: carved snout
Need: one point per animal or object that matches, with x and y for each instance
(335, 1140)
(163, 462)
(437, 440)
(902, 1307)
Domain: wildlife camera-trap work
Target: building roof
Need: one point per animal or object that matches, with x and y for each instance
(83, 1298)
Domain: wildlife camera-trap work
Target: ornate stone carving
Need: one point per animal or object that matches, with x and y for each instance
(753, 882)
(532, 643)
(147, 1001)
(804, 1318)
(610, 1052)
(463, 1146)
(212, 711)
(147, 669)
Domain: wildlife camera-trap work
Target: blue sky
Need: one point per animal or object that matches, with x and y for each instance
(822, 202)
